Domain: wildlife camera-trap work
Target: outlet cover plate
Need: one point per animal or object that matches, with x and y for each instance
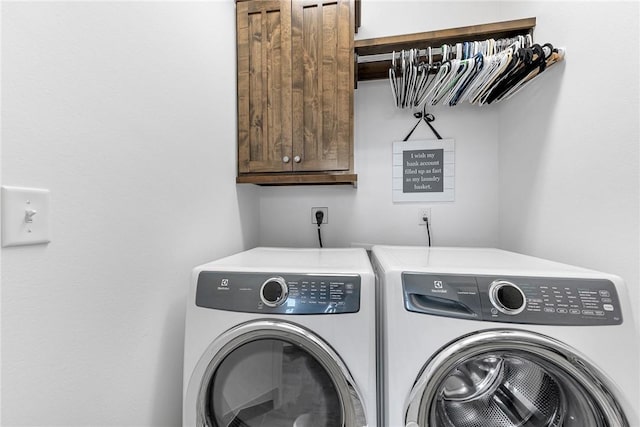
(424, 212)
(325, 218)
(25, 216)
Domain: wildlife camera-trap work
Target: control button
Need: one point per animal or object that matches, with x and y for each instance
(511, 297)
(562, 310)
(599, 313)
(507, 297)
(607, 307)
(607, 300)
(549, 310)
(574, 311)
(588, 312)
(274, 292)
(604, 293)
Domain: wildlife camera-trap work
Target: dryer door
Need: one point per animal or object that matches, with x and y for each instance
(508, 378)
(273, 374)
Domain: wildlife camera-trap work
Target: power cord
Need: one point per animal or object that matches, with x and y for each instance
(319, 219)
(426, 222)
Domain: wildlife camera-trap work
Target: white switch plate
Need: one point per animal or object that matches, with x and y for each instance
(17, 205)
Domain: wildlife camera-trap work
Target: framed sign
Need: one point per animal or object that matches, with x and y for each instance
(423, 171)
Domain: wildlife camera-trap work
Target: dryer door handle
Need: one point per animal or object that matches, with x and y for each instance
(429, 304)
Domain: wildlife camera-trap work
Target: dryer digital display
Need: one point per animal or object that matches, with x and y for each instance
(274, 293)
(530, 300)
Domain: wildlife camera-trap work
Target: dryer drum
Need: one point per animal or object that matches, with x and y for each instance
(271, 373)
(270, 382)
(502, 391)
(511, 378)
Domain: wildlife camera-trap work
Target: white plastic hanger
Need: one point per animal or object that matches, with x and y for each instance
(393, 80)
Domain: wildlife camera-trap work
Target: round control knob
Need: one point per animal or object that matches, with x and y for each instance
(297, 159)
(274, 292)
(507, 297)
(285, 159)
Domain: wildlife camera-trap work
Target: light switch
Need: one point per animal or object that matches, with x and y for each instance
(25, 216)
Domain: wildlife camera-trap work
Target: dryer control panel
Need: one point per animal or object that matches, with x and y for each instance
(511, 299)
(275, 293)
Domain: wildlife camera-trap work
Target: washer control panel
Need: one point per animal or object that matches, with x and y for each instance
(530, 300)
(275, 293)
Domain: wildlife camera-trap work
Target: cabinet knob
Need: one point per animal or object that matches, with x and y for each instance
(297, 159)
(285, 159)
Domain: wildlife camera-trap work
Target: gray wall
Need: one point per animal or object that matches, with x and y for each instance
(368, 214)
(569, 157)
(126, 112)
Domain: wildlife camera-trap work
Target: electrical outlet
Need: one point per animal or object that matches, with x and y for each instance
(425, 212)
(325, 219)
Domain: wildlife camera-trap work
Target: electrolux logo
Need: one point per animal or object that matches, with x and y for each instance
(224, 285)
(438, 287)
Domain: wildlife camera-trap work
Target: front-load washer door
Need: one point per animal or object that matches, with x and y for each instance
(509, 378)
(273, 374)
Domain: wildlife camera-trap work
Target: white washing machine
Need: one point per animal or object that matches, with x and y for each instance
(281, 338)
(489, 338)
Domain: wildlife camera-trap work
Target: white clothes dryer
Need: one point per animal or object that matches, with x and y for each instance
(280, 337)
(477, 337)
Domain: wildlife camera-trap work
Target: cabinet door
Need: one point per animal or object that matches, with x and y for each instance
(264, 86)
(322, 93)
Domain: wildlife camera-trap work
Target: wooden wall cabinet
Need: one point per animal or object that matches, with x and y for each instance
(295, 91)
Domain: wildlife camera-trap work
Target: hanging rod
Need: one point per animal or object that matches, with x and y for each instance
(422, 53)
(373, 68)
